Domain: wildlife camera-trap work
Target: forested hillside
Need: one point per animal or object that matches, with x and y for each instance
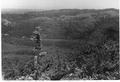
(58, 23)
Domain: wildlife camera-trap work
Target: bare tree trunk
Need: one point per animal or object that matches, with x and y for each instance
(36, 67)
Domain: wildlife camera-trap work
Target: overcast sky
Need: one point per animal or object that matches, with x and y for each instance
(60, 4)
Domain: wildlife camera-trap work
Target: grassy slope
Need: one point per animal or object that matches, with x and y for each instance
(13, 57)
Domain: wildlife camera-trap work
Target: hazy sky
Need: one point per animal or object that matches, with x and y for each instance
(59, 4)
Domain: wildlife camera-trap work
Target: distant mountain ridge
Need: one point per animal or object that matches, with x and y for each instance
(19, 11)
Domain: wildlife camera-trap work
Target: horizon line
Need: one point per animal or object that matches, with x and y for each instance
(55, 9)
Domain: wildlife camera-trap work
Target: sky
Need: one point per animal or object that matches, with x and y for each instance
(59, 4)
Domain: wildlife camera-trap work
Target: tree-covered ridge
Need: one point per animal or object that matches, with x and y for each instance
(76, 25)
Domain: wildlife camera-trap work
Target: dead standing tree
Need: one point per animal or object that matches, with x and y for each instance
(37, 51)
